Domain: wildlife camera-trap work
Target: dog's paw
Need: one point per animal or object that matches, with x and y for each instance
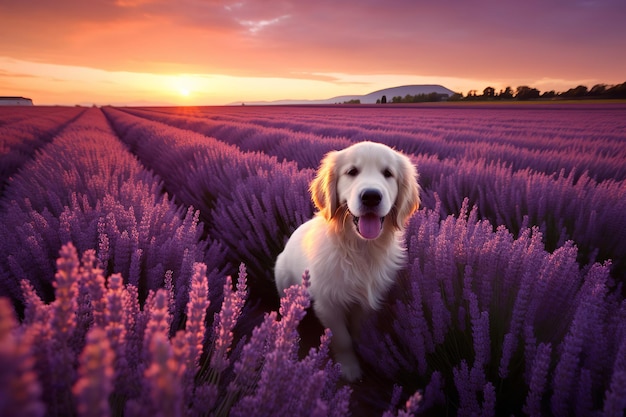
(350, 368)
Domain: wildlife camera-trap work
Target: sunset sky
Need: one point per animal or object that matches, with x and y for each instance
(194, 52)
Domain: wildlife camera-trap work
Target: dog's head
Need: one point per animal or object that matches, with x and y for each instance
(368, 183)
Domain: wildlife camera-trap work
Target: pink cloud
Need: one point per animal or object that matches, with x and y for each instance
(488, 39)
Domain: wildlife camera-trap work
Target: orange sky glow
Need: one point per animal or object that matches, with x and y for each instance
(192, 52)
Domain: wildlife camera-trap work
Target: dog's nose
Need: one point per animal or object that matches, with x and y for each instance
(371, 198)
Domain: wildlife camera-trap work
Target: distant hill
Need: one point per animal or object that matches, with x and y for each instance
(370, 98)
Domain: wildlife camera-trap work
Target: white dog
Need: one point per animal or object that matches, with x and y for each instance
(354, 246)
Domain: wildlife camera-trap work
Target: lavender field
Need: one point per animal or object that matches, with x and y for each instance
(137, 248)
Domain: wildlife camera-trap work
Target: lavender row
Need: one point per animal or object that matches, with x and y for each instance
(14, 114)
(306, 149)
(95, 351)
(241, 196)
(538, 128)
(469, 297)
(86, 188)
(493, 325)
(517, 122)
(592, 141)
(20, 140)
(566, 206)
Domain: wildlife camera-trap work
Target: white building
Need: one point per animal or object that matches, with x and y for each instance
(15, 101)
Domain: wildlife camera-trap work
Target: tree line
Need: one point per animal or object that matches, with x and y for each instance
(417, 98)
(598, 91)
(521, 93)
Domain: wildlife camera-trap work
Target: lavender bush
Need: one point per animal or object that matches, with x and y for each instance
(491, 314)
(571, 138)
(564, 208)
(302, 147)
(256, 223)
(199, 169)
(20, 139)
(94, 351)
(86, 188)
(239, 194)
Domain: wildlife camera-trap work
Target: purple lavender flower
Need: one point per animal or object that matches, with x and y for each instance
(615, 398)
(163, 379)
(440, 317)
(135, 323)
(411, 406)
(63, 322)
(92, 279)
(193, 335)
(115, 324)
(417, 335)
(538, 381)
(585, 320)
(395, 400)
(482, 346)
(225, 322)
(35, 310)
(489, 402)
(204, 398)
(519, 310)
(280, 369)
(20, 391)
(292, 310)
(95, 376)
(159, 321)
(251, 360)
(615, 401)
(584, 397)
(468, 403)
(196, 313)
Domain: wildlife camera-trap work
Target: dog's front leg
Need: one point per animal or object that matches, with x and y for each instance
(341, 343)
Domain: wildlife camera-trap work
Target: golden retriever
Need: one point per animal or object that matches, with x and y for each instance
(354, 246)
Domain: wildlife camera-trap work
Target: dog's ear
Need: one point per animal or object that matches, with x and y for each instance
(324, 186)
(408, 200)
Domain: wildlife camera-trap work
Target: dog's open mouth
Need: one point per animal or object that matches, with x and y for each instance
(369, 225)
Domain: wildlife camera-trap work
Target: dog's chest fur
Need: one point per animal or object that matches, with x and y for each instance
(354, 271)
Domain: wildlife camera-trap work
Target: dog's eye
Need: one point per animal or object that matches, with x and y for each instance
(353, 172)
(387, 173)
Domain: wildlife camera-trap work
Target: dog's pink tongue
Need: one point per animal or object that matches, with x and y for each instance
(370, 226)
